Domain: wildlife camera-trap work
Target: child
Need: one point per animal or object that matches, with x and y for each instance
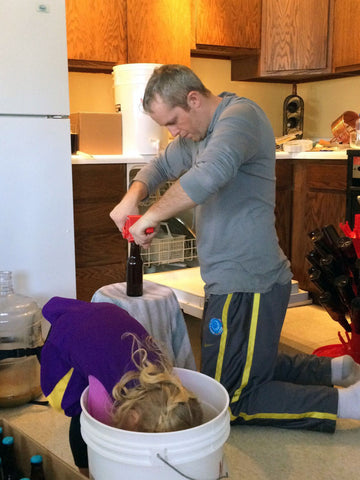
(102, 340)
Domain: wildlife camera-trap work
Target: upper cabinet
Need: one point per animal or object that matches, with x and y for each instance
(96, 33)
(159, 31)
(296, 38)
(226, 26)
(269, 40)
(346, 50)
(303, 40)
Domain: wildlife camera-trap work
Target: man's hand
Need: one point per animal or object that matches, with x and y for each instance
(129, 204)
(138, 230)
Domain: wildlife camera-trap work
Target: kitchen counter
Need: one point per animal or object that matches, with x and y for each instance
(188, 287)
(140, 159)
(85, 159)
(325, 155)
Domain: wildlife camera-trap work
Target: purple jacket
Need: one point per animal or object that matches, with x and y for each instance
(87, 337)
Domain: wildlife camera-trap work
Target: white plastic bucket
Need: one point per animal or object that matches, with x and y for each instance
(140, 134)
(196, 453)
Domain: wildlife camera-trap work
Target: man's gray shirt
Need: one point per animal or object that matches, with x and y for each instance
(230, 174)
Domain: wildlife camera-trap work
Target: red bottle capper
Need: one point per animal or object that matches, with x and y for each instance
(130, 220)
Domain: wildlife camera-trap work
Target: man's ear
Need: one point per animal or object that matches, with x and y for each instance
(193, 99)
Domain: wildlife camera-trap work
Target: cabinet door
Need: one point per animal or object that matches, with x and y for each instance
(100, 250)
(96, 30)
(346, 46)
(295, 36)
(228, 23)
(319, 199)
(283, 206)
(159, 31)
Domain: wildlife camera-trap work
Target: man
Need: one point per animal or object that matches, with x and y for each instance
(223, 164)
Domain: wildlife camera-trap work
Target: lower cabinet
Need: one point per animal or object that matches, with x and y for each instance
(283, 205)
(100, 250)
(319, 199)
(309, 195)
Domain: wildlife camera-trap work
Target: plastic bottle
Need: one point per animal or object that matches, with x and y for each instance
(134, 272)
(37, 468)
(10, 468)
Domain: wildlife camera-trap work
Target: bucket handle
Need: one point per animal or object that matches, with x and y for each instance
(182, 474)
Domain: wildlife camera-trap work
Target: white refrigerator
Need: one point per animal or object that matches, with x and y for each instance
(36, 206)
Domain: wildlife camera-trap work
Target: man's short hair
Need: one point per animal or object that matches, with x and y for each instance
(172, 83)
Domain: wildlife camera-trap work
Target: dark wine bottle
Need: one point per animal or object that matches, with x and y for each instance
(343, 286)
(347, 249)
(331, 237)
(320, 280)
(37, 468)
(134, 272)
(320, 242)
(1, 470)
(355, 314)
(335, 310)
(331, 266)
(10, 468)
(314, 258)
(348, 254)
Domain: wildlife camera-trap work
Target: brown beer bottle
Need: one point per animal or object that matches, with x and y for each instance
(335, 309)
(37, 468)
(134, 272)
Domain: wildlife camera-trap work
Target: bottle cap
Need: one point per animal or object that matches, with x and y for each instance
(36, 459)
(8, 440)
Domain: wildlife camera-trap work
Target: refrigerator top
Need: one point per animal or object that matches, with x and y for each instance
(33, 52)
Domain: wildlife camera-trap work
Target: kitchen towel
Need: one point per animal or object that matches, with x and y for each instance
(159, 312)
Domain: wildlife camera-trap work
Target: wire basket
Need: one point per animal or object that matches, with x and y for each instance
(165, 248)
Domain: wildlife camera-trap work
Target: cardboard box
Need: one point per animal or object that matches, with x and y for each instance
(26, 447)
(98, 133)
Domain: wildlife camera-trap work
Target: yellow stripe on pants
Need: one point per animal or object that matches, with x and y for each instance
(224, 317)
(250, 349)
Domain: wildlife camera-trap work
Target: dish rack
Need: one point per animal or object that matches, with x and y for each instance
(168, 247)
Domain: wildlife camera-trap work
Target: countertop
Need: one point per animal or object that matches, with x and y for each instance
(84, 159)
(314, 155)
(140, 159)
(188, 287)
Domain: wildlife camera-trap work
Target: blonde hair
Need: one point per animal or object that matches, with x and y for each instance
(155, 394)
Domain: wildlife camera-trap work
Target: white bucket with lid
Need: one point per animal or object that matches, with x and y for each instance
(196, 453)
(140, 134)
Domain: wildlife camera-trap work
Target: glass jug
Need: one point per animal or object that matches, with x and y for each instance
(20, 342)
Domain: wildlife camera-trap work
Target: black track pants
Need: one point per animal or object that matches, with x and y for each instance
(240, 338)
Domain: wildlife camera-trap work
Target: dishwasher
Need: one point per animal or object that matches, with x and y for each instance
(174, 247)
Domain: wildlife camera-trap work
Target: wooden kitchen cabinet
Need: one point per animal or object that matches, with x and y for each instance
(296, 40)
(96, 33)
(100, 250)
(346, 44)
(319, 199)
(283, 205)
(226, 26)
(159, 31)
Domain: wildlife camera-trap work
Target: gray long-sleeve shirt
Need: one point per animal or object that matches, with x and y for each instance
(230, 174)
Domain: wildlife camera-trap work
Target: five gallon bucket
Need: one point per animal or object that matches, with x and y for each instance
(140, 134)
(196, 453)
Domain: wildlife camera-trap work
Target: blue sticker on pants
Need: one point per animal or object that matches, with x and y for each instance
(215, 326)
